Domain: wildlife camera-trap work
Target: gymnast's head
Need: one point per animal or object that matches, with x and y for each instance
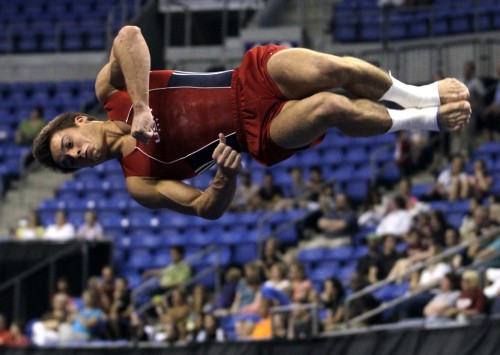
(71, 141)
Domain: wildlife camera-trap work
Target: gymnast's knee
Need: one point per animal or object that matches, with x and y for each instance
(329, 108)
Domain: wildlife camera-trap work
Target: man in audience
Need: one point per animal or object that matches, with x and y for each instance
(175, 274)
(451, 183)
(398, 219)
(61, 230)
(246, 195)
(270, 194)
(47, 329)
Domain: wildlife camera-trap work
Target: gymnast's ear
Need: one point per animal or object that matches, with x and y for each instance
(80, 120)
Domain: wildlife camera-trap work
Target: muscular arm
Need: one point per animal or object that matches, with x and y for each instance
(129, 67)
(180, 197)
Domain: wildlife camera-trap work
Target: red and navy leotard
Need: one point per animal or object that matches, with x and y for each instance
(190, 109)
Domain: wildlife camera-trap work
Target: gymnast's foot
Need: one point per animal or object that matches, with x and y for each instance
(454, 115)
(452, 90)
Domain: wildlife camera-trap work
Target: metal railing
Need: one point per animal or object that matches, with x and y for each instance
(417, 267)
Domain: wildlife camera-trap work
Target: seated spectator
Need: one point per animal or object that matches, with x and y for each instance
(61, 230)
(30, 228)
(315, 183)
(263, 329)
(451, 240)
(91, 229)
(452, 183)
(278, 285)
(175, 274)
(386, 261)
(301, 287)
(491, 114)
(5, 334)
(29, 128)
(372, 209)
(280, 328)
(137, 328)
(364, 263)
(332, 300)
(362, 304)
(85, 323)
(270, 195)
(246, 195)
(120, 311)
(174, 318)
(211, 331)
(47, 329)
(63, 288)
(468, 225)
(301, 323)
(105, 288)
(480, 181)
(404, 190)
(444, 298)
(404, 154)
(414, 252)
(489, 256)
(17, 338)
(270, 256)
(226, 297)
(471, 300)
(298, 189)
(339, 223)
(437, 227)
(248, 292)
(427, 280)
(481, 224)
(397, 221)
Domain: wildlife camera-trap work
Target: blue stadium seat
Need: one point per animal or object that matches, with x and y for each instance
(244, 252)
(311, 255)
(140, 259)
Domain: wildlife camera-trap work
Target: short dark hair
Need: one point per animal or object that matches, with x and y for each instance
(41, 144)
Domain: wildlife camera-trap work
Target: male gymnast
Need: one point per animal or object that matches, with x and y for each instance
(167, 126)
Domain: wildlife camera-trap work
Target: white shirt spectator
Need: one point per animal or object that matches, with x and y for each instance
(91, 229)
(397, 222)
(434, 273)
(445, 179)
(60, 233)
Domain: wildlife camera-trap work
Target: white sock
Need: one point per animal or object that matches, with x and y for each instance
(423, 119)
(411, 96)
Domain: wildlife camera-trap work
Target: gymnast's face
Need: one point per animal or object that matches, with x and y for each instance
(80, 146)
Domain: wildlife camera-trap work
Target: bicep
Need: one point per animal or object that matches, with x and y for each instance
(170, 194)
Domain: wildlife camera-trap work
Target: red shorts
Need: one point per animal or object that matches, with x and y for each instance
(260, 101)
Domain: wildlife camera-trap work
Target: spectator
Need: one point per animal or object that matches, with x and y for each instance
(489, 256)
(30, 228)
(29, 128)
(106, 288)
(384, 264)
(262, 329)
(471, 301)
(481, 224)
(480, 181)
(315, 183)
(226, 297)
(372, 210)
(5, 334)
(211, 331)
(365, 263)
(363, 304)
(118, 324)
(451, 240)
(63, 288)
(17, 338)
(424, 281)
(47, 329)
(280, 326)
(91, 229)
(277, 286)
(245, 198)
(248, 293)
(61, 230)
(444, 298)
(403, 154)
(451, 183)
(85, 323)
(270, 195)
(297, 197)
(175, 274)
(397, 221)
(404, 190)
(301, 286)
(175, 317)
(414, 252)
(332, 300)
(270, 256)
(301, 326)
(137, 328)
(339, 223)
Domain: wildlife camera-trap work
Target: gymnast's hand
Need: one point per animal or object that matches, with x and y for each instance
(227, 158)
(143, 124)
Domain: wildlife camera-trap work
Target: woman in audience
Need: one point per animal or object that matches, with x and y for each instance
(332, 300)
(444, 298)
(480, 181)
(61, 230)
(301, 286)
(211, 330)
(248, 292)
(30, 228)
(278, 282)
(120, 311)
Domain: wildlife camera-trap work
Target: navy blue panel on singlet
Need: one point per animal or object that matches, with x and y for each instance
(201, 80)
(202, 159)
